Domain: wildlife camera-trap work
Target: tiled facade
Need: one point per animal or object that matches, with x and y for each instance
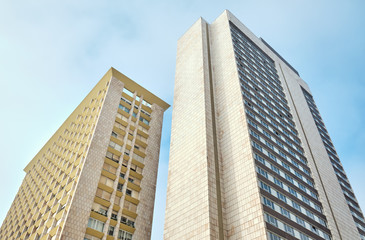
(96, 177)
(247, 160)
(194, 176)
(349, 195)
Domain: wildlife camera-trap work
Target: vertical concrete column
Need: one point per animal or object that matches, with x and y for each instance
(148, 183)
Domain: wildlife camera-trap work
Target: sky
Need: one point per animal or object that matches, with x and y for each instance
(53, 52)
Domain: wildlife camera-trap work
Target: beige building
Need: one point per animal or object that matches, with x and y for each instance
(250, 157)
(96, 177)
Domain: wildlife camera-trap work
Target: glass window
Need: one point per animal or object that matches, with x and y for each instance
(286, 166)
(309, 214)
(275, 169)
(259, 158)
(144, 102)
(292, 191)
(290, 179)
(273, 236)
(282, 154)
(270, 219)
(99, 209)
(254, 134)
(281, 196)
(124, 108)
(301, 186)
(127, 220)
(112, 156)
(126, 100)
(111, 231)
(269, 145)
(268, 203)
(128, 92)
(265, 187)
(262, 172)
(272, 156)
(279, 143)
(144, 112)
(114, 215)
(96, 224)
(257, 146)
(327, 237)
(129, 192)
(285, 212)
(306, 200)
(278, 182)
(289, 229)
(115, 146)
(296, 206)
(300, 221)
(318, 208)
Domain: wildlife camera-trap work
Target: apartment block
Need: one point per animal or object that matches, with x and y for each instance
(250, 157)
(96, 176)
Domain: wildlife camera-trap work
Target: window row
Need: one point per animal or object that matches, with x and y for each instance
(273, 102)
(292, 231)
(284, 163)
(274, 135)
(290, 202)
(292, 134)
(245, 75)
(281, 115)
(286, 213)
(286, 177)
(255, 54)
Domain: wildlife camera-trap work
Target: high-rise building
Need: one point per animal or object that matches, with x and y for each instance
(96, 177)
(250, 157)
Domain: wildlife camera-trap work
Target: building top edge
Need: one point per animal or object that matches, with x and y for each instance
(232, 18)
(133, 86)
(112, 72)
(279, 56)
(200, 20)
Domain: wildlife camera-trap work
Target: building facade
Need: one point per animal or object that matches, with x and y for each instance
(250, 157)
(96, 177)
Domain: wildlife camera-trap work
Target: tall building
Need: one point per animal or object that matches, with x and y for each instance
(250, 157)
(96, 177)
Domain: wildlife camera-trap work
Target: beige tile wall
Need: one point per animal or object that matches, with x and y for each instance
(243, 209)
(148, 183)
(78, 215)
(191, 207)
(339, 217)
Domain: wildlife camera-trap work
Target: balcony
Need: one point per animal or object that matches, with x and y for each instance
(112, 157)
(101, 212)
(114, 216)
(127, 222)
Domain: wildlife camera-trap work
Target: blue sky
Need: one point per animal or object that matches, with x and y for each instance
(53, 52)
